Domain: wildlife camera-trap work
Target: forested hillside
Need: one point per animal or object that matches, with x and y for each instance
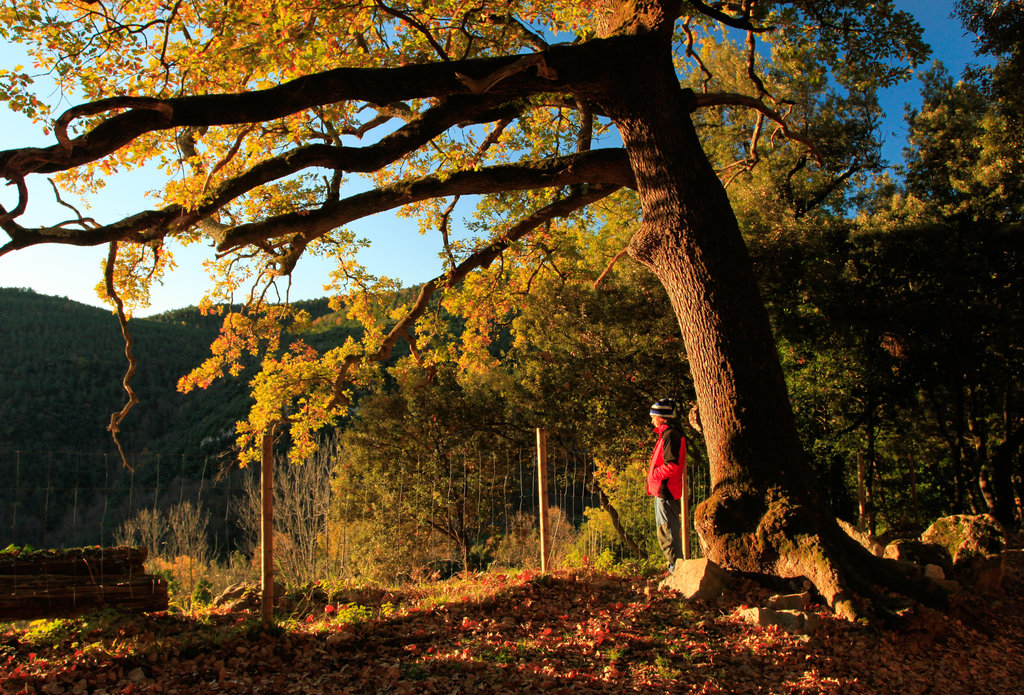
(62, 364)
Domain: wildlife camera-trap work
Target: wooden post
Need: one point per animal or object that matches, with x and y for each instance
(542, 489)
(686, 504)
(861, 493)
(267, 527)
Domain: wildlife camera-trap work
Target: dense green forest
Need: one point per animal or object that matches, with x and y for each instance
(63, 363)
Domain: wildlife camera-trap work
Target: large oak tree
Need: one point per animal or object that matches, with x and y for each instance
(253, 106)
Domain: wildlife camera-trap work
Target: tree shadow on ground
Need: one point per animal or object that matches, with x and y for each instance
(569, 633)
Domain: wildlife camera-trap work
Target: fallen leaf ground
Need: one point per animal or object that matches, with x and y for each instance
(578, 632)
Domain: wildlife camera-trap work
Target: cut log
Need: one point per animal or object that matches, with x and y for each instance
(74, 562)
(53, 584)
(58, 597)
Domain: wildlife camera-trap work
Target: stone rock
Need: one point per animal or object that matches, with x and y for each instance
(791, 602)
(967, 534)
(697, 580)
(934, 572)
(920, 553)
(794, 621)
(865, 539)
(245, 596)
(977, 546)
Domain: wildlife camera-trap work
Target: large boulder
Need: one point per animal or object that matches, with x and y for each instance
(794, 621)
(977, 546)
(921, 554)
(697, 580)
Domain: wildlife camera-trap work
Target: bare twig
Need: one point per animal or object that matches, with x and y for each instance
(167, 33)
(82, 222)
(445, 216)
(227, 157)
(418, 26)
(608, 269)
(731, 99)
(118, 417)
(708, 76)
(492, 138)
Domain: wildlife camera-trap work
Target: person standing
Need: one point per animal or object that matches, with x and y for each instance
(665, 478)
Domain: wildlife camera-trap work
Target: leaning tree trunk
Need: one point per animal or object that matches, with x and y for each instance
(762, 515)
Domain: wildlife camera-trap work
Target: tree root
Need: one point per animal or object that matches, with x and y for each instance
(760, 533)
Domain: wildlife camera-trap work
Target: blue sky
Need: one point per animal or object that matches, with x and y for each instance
(404, 254)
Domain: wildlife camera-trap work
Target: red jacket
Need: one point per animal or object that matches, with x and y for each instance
(667, 463)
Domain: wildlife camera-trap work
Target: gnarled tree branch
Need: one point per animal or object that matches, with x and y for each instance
(571, 64)
(606, 166)
(116, 418)
(154, 224)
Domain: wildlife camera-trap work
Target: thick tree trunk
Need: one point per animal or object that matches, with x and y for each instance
(1002, 505)
(762, 515)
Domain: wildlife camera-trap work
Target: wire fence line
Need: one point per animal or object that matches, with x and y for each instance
(73, 499)
(60, 499)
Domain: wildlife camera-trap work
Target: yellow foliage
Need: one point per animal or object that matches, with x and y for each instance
(183, 568)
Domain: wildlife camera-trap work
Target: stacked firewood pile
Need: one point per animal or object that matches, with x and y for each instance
(59, 583)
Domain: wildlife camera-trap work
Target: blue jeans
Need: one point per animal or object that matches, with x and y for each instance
(668, 516)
